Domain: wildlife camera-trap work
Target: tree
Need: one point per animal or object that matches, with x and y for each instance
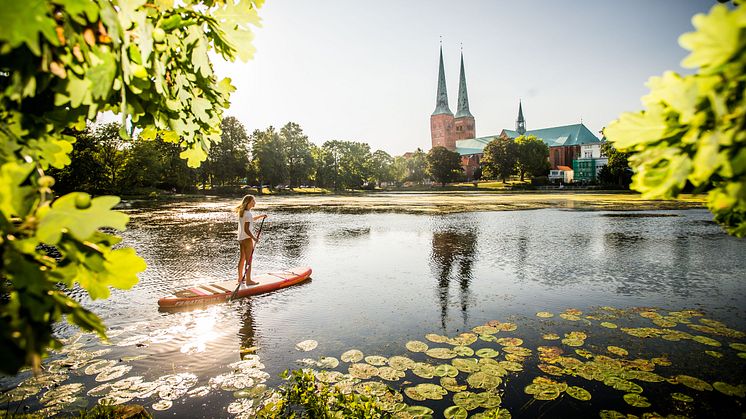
(443, 165)
(61, 63)
(84, 170)
(344, 164)
(110, 154)
(617, 170)
(400, 169)
(417, 166)
(692, 129)
(269, 157)
(298, 152)
(229, 159)
(380, 167)
(499, 158)
(533, 156)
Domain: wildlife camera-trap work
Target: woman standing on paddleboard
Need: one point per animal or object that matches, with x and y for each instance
(246, 238)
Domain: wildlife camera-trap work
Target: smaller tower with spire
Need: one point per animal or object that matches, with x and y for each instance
(520, 124)
(464, 120)
(441, 120)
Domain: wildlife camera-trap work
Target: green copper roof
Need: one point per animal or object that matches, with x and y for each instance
(441, 102)
(566, 135)
(463, 98)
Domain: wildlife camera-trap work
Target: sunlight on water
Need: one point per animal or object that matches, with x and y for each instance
(381, 280)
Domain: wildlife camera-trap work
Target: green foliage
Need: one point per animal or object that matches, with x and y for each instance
(444, 165)
(269, 156)
(380, 167)
(298, 152)
(305, 397)
(343, 164)
(61, 63)
(617, 170)
(417, 166)
(533, 156)
(500, 158)
(692, 128)
(229, 159)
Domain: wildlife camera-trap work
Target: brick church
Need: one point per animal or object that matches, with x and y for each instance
(458, 132)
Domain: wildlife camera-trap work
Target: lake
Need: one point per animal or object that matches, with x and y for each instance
(638, 308)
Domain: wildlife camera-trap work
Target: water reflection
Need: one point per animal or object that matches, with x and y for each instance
(247, 330)
(452, 256)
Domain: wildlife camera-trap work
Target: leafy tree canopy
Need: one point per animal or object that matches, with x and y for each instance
(533, 156)
(692, 127)
(500, 158)
(61, 63)
(443, 165)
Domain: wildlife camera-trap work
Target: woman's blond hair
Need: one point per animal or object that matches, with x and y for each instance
(242, 206)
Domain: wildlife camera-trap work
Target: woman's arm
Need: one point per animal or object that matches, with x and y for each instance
(259, 217)
(247, 229)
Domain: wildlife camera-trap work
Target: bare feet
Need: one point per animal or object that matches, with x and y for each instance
(250, 282)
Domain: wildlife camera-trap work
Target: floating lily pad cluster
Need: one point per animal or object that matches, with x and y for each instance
(437, 368)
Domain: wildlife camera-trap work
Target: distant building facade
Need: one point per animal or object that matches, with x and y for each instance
(458, 132)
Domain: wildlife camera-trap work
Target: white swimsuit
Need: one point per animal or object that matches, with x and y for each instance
(247, 218)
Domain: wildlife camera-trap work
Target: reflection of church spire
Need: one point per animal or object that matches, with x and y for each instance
(441, 102)
(463, 97)
(520, 124)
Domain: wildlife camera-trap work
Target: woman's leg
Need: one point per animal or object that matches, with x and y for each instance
(248, 256)
(242, 259)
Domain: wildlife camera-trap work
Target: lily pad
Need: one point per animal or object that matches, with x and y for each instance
(464, 339)
(376, 360)
(714, 354)
(570, 317)
(416, 346)
(441, 353)
(468, 400)
(550, 336)
(390, 374)
(362, 371)
(414, 394)
(431, 391)
(329, 376)
(353, 355)
(423, 370)
(162, 405)
(371, 388)
(738, 346)
(436, 338)
(487, 353)
(445, 370)
(113, 372)
(611, 414)
(484, 380)
(608, 325)
(511, 366)
(401, 363)
(100, 390)
(240, 406)
(510, 341)
(551, 369)
(497, 413)
(463, 351)
(485, 330)
(467, 365)
(729, 389)
(578, 393)
(517, 350)
(99, 366)
(450, 384)
(455, 412)
(636, 400)
(693, 382)
(544, 314)
(306, 345)
(199, 391)
(682, 397)
(706, 341)
(328, 362)
(617, 350)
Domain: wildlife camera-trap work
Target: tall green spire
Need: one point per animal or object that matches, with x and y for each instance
(520, 124)
(441, 103)
(463, 98)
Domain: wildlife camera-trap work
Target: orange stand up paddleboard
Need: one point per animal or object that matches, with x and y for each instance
(221, 291)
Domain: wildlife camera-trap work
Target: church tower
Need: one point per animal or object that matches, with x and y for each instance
(441, 121)
(520, 124)
(464, 120)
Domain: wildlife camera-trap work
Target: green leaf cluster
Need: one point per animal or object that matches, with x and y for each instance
(692, 128)
(62, 62)
(302, 396)
(444, 165)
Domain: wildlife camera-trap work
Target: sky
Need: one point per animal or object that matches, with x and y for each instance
(367, 71)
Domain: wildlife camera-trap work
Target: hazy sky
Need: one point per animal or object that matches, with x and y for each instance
(367, 71)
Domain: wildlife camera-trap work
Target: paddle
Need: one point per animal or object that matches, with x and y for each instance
(251, 257)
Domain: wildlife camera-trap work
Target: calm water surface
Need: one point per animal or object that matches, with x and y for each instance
(383, 279)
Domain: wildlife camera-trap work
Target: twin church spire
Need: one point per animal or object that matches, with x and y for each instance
(441, 103)
(445, 128)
